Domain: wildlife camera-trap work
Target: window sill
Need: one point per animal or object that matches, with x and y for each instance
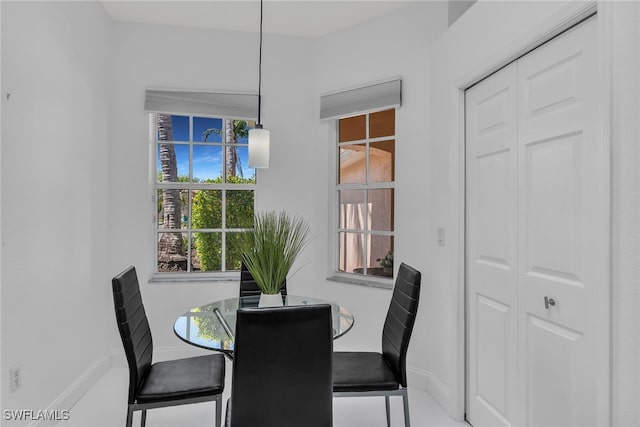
(194, 278)
(361, 280)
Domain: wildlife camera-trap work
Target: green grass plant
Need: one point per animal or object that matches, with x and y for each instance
(278, 239)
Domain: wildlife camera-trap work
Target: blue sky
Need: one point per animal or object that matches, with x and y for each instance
(207, 159)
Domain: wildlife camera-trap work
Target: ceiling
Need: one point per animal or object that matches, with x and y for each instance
(304, 18)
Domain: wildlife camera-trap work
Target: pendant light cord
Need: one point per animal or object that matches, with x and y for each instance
(260, 68)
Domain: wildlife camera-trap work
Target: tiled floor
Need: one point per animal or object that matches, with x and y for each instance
(105, 405)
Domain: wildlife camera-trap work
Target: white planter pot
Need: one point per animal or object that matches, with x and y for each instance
(267, 300)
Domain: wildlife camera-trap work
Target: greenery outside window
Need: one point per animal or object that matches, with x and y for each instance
(365, 193)
(204, 194)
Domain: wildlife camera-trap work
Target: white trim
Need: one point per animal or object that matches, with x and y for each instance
(605, 83)
(568, 16)
(354, 279)
(427, 381)
(69, 397)
(334, 214)
(155, 186)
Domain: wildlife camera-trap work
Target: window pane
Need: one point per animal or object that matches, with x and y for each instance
(242, 137)
(380, 259)
(380, 262)
(352, 164)
(206, 209)
(239, 209)
(207, 163)
(382, 123)
(184, 208)
(382, 161)
(171, 252)
(237, 243)
(352, 128)
(206, 129)
(351, 252)
(243, 173)
(172, 205)
(236, 158)
(159, 209)
(207, 251)
(173, 162)
(352, 209)
(381, 209)
(172, 128)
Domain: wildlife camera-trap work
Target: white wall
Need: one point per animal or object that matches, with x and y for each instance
(483, 33)
(150, 56)
(395, 45)
(56, 299)
(457, 8)
(485, 29)
(295, 72)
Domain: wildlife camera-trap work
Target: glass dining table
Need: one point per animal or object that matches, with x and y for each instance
(212, 326)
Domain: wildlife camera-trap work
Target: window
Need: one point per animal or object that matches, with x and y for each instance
(365, 193)
(205, 193)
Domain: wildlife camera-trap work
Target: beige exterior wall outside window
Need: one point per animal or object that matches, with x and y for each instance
(365, 193)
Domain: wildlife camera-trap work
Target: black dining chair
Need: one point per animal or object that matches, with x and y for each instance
(160, 384)
(383, 374)
(282, 368)
(248, 285)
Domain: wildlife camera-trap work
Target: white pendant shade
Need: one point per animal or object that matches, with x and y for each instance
(259, 141)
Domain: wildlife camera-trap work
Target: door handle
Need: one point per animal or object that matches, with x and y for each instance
(549, 302)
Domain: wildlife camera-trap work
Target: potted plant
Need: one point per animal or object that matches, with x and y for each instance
(387, 262)
(278, 239)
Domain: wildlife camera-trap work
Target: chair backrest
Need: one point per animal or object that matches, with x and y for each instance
(133, 326)
(400, 319)
(282, 367)
(248, 285)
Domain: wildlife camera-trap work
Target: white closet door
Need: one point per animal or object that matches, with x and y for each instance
(562, 224)
(537, 321)
(491, 249)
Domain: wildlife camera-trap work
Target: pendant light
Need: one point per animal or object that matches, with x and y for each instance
(259, 139)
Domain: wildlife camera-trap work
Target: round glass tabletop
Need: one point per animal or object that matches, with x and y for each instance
(212, 326)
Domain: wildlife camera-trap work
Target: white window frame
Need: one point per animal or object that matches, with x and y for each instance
(335, 274)
(192, 276)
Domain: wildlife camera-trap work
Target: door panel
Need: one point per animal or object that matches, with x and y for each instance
(550, 399)
(560, 229)
(536, 227)
(491, 246)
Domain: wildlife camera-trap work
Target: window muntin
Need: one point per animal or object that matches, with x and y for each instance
(205, 193)
(366, 193)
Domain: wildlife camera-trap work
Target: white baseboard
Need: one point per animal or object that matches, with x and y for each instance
(75, 391)
(427, 381)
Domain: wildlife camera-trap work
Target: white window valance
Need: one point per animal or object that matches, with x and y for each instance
(359, 100)
(236, 105)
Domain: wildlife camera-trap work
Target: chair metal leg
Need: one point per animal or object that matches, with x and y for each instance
(219, 411)
(405, 401)
(143, 420)
(129, 416)
(386, 404)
